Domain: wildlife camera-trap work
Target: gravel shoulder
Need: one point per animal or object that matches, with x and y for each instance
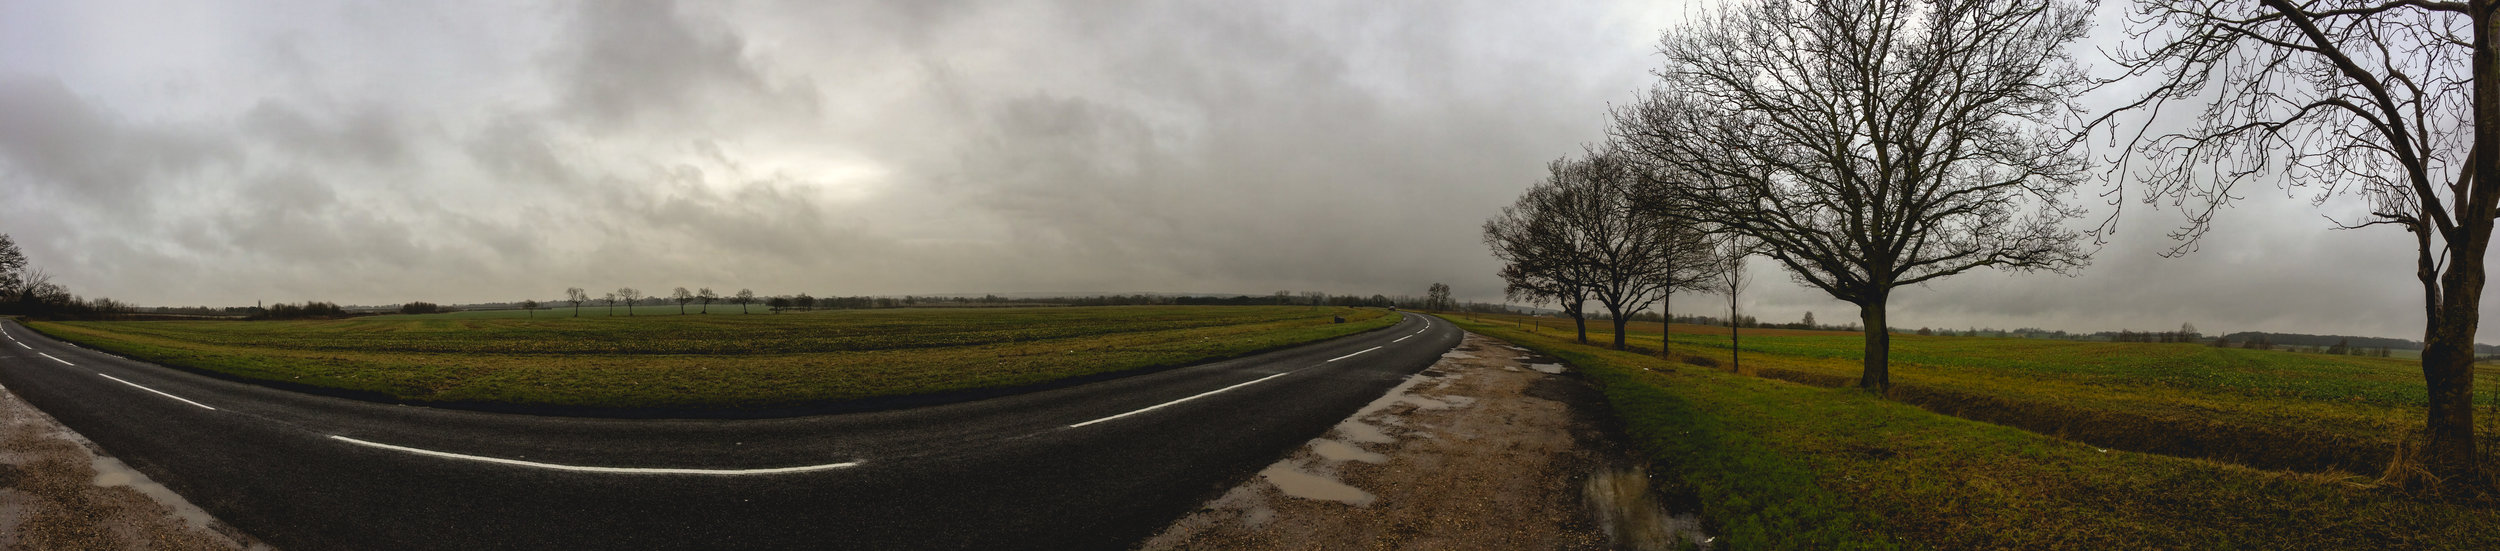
(1490, 448)
(57, 491)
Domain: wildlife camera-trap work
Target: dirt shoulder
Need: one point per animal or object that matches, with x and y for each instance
(58, 492)
(1491, 448)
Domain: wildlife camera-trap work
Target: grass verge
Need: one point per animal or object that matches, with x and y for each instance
(1780, 465)
(713, 362)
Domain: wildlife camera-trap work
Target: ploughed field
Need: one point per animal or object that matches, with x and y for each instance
(713, 361)
(1991, 443)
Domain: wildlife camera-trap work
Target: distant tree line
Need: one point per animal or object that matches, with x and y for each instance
(307, 310)
(30, 291)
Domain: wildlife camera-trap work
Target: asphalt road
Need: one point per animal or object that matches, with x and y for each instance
(1096, 466)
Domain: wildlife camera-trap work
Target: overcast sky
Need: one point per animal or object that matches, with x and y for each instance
(380, 152)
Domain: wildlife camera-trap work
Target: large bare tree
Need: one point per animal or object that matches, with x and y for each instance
(1540, 257)
(1870, 144)
(2393, 101)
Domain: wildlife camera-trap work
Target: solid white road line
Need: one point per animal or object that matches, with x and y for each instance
(1167, 404)
(63, 362)
(1354, 354)
(158, 392)
(607, 470)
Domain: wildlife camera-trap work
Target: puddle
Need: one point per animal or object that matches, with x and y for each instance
(1309, 486)
(1363, 432)
(1546, 368)
(1339, 451)
(1457, 355)
(1632, 516)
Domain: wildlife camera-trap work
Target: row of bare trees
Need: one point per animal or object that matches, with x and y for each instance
(576, 297)
(1868, 144)
(1591, 231)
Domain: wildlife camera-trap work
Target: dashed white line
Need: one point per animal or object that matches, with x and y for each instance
(1402, 339)
(1358, 353)
(63, 362)
(1168, 404)
(158, 392)
(23, 345)
(587, 469)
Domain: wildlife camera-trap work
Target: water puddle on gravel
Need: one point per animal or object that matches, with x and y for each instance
(1547, 368)
(1339, 451)
(1309, 486)
(1632, 516)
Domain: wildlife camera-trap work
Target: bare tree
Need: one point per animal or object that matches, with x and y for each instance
(611, 298)
(707, 296)
(12, 268)
(1732, 281)
(1540, 257)
(743, 298)
(1628, 250)
(2395, 101)
(630, 295)
(577, 297)
(682, 296)
(1870, 144)
(530, 306)
(1687, 260)
(1314, 298)
(1437, 297)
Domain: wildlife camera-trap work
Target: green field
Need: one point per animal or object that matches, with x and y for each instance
(2272, 409)
(716, 361)
(590, 311)
(1777, 464)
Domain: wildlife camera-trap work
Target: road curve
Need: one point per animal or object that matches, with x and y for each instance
(1094, 466)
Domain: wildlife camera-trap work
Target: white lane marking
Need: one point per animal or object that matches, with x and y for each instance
(158, 392)
(1168, 404)
(23, 345)
(1402, 339)
(1354, 354)
(63, 362)
(608, 470)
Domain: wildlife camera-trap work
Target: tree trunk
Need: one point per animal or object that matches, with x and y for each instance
(1666, 322)
(1581, 319)
(2448, 341)
(1878, 377)
(1735, 359)
(1620, 321)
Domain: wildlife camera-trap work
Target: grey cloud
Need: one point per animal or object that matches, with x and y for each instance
(873, 147)
(371, 135)
(648, 62)
(54, 140)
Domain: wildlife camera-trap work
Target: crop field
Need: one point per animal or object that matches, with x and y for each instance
(590, 311)
(2272, 409)
(1779, 464)
(697, 361)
